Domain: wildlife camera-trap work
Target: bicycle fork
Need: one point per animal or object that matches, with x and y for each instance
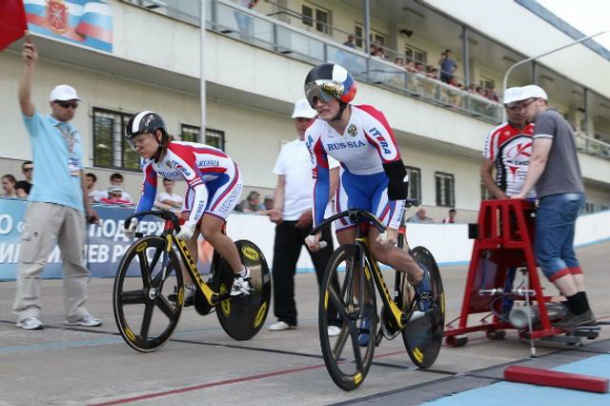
(211, 296)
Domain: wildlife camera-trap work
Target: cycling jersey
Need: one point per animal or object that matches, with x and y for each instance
(214, 180)
(367, 144)
(510, 148)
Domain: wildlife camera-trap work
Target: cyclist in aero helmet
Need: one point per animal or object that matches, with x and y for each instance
(214, 188)
(372, 172)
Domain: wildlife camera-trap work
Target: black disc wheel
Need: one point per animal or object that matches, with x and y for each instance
(347, 300)
(423, 334)
(144, 316)
(243, 317)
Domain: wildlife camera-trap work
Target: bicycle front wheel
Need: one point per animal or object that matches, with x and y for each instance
(423, 334)
(144, 316)
(347, 300)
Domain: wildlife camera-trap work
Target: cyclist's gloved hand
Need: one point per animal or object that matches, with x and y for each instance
(130, 232)
(388, 238)
(313, 242)
(186, 231)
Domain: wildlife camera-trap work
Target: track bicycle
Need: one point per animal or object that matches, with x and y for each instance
(355, 299)
(151, 270)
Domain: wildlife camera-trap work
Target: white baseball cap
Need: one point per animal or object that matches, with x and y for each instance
(512, 95)
(63, 93)
(534, 91)
(302, 109)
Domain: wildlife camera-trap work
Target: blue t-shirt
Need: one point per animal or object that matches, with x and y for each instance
(58, 160)
(448, 66)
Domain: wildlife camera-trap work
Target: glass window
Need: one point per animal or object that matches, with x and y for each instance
(213, 138)
(307, 13)
(445, 193)
(414, 182)
(374, 36)
(415, 54)
(322, 22)
(110, 148)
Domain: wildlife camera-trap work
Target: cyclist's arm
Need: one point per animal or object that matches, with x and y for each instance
(321, 176)
(149, 190)
(490, 152)
(186, 164)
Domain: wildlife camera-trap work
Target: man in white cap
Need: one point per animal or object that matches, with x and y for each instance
(292, 213)
(57, 205)
(555, 172)
(507, 150)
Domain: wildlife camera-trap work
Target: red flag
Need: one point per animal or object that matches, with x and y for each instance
(12, 22)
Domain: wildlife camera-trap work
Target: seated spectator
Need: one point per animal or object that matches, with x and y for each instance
(268, 202)
(116, 179)
(451, 218)
(410, 66)
(8, 185)
(94, 195)
(115, 194)
(24, 187)
(252, 204)
(420, 217)
(168, 199)
(350, 43)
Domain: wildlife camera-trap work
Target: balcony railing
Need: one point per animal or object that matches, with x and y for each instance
(592, 146)
(240, 23)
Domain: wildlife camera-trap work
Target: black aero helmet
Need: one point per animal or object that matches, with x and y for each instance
(144, 122)
(330, 81)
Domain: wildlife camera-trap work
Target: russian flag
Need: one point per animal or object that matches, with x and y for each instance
(12, 21)
(87, 22)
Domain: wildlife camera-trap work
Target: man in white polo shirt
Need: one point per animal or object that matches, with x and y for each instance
(292, 214)
(57, 205)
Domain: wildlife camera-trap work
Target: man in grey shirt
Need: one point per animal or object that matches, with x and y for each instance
(555, 172)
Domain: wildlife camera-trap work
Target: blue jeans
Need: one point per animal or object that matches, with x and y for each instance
(554, 242)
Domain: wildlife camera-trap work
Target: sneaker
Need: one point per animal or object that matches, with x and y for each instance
(334, 331)
(30, 323)
(365, 331)
(189, 295)
(571, 321)
(424, 290)
(87, 321)
(241, 285)
(281, 326)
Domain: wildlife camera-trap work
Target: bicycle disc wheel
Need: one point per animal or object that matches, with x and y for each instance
(144, 316)
(423, 336)
(243, 317)
(347, 299)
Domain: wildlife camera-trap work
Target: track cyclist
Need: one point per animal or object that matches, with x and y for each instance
(371, 176)
(214, 188)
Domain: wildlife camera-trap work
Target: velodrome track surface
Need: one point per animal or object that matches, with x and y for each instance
(201, 365)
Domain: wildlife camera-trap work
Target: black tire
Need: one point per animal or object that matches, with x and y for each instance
(243, 317)
(346, 362)
(140, 289)
(423, 336)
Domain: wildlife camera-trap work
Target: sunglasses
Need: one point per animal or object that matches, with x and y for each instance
(67, 104)
(28, 169)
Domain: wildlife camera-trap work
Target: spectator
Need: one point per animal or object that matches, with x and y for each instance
(116, 179)
(432, 73)
(168, 199)
(115, 194)
(293, 215)
(94, 194)
(350, 41)
(23, 187)
(400, 62)
(448, 66)
(420, 217)
(451, 218)
(493, 95)
(419, 68)
(410, 66)
(555, 172)
(8, 185)
(57, 205)
(244, 21)
(252, 204)
(268, 202)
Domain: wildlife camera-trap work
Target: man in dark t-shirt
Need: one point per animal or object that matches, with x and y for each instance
(555, 172)
(23, 187)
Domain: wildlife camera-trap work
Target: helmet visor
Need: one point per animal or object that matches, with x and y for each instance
(325, 91)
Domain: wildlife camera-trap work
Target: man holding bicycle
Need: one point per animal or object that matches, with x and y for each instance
(372, 171)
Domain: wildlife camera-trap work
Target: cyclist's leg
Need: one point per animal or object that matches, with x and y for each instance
(211, 228)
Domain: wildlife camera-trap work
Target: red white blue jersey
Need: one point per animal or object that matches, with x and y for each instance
(367, 144)
(510, 148)
(214, 181)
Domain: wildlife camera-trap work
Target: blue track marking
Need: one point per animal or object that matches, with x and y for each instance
(511, 394)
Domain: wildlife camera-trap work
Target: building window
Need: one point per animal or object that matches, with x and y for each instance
(321, 20)
(415, 55)
(414, 183)
(213, 138)
(487, 83)
(485, 193)
(445, 194)
(374, 36)
(110, 148)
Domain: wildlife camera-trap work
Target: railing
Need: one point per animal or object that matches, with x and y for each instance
(592, 146)
(246, 25)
